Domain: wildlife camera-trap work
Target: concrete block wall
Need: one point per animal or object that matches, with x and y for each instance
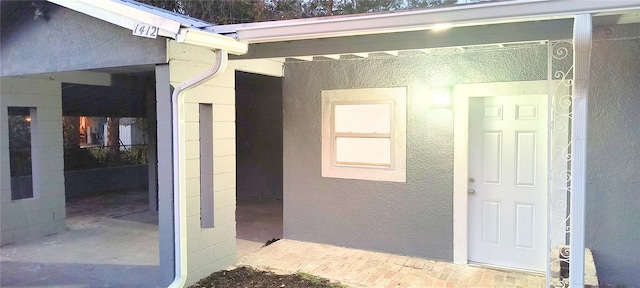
(208, 249)
(44, 214)
(100, 180)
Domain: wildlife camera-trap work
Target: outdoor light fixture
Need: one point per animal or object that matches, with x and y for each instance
(441, 97)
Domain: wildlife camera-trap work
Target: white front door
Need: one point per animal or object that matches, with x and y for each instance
(507, 184)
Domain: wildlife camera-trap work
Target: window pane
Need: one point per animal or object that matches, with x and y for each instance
(363, 118)
(20, 152)
(363, 151)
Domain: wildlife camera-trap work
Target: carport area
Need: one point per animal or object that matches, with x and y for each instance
(112, 241)
(257, 221)
(259, 190)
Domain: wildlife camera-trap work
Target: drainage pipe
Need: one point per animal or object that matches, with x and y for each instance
(177, 107)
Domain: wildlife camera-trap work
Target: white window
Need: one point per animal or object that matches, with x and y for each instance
(364, 134)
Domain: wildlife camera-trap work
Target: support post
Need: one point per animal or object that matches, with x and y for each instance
(581, 59)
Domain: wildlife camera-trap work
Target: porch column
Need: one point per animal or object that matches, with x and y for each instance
(581, 59)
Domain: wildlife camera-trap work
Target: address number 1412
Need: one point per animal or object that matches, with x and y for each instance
(145, 30)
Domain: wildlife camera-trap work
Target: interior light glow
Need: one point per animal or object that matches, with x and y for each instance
(441, 26)
(441, 97)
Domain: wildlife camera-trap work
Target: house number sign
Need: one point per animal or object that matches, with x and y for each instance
(145, 30)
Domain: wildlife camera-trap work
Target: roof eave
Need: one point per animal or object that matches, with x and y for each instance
(127, 16)
(121, 15)
(211, 40)
(465, 15)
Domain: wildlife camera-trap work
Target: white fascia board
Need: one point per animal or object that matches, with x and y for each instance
(121, 15)
(463, 15)
(211, 40)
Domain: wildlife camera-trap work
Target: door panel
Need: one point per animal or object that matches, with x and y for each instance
(492, 158)
(526, 158)
(491, 222)
(507, 165)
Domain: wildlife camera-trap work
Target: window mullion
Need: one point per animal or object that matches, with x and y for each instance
(361, 135)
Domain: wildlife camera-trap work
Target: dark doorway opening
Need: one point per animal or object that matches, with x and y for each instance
(259, 191)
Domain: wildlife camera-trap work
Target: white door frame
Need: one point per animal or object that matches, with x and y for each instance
(461, 93)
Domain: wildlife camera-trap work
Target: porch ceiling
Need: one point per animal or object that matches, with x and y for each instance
(467, 38)
(126, 69)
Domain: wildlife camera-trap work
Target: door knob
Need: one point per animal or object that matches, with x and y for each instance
(471, 180)
(472, 191)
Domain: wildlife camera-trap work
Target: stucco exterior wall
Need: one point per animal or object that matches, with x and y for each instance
(208, 249)
(613, 157)
(413, 218)
(45, 213)
(70, 41)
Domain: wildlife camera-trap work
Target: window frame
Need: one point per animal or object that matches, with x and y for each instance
(396, 98)
(23, 186)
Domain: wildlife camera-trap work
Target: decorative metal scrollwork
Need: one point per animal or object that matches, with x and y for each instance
(560, 61)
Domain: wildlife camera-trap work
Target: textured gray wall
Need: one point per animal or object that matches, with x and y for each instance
(258, 136)
(613, 161)
(412, 218)
(70, 41)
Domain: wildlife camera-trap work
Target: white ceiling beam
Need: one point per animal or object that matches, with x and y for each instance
(303, 58)
(332, 56)
(267, 67)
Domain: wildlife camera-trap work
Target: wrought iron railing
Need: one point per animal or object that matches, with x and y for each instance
(561, 82)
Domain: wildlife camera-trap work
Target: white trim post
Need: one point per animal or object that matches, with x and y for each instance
(581, 61)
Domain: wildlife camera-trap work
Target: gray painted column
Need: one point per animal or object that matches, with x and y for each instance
(165, 178)
(152, 153)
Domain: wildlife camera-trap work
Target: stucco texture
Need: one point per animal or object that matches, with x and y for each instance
(413, 218)
(613, 161)
(70, 41)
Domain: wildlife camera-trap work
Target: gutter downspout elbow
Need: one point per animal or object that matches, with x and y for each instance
(177, 127)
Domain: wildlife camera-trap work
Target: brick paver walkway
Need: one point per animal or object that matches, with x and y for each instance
(359, 268)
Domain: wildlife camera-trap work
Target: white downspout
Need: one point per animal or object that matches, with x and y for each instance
(177, 107)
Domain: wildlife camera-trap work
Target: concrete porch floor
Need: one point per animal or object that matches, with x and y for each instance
(359, 268)
(111, 241)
